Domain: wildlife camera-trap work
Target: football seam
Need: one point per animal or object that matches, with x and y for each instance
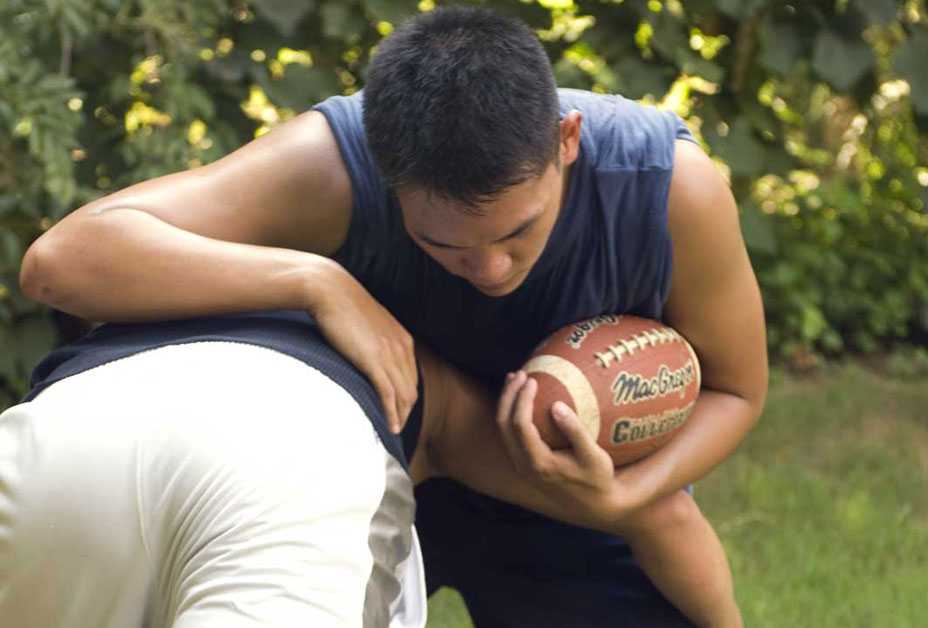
(638, 342)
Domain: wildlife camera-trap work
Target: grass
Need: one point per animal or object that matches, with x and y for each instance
(824, 509)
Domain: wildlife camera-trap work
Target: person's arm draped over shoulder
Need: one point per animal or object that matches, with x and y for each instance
(163, 248)
(248, 232)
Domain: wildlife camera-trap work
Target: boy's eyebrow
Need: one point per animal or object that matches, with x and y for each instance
(515, 232)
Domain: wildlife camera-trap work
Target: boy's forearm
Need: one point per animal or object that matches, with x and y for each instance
(151, 270)
(469, 447)
(464, 443)
(474, 455)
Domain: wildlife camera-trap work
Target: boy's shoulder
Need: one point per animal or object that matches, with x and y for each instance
(621, 134)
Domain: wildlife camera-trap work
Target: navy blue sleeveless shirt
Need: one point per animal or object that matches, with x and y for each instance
(609, 252)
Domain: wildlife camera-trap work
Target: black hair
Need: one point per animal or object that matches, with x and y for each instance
(461, 101)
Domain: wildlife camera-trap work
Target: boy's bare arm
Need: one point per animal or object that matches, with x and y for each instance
(716, 305)
(461, 438)
(184, 244)
(249, 232)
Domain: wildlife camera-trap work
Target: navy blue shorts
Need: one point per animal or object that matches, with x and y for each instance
(517, 569)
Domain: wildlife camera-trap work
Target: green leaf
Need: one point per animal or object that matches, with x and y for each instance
(301, 87)
(695, 65)
(34, 338)
(781, 46)
(878, 11)
(840, 61)
(285, 15)
(8, 203)
(813, 323)
(7, 354)
(231, 68)
(743, 153)
(757, 228)
(6, 400)
(909, 62)
(393, 11)
(11, 250)
(669, 37)
(638, 79)
(739, 9)
(339, 21)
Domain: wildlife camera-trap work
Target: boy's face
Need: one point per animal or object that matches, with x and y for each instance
(494, 249)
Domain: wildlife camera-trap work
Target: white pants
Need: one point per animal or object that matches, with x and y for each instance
(208, 484)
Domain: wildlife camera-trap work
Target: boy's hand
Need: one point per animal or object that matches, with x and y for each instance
(365, 333)
(584, 474)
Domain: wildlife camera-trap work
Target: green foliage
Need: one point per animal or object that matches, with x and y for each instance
(816, 109)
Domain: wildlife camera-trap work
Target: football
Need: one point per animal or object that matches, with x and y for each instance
(632, 382)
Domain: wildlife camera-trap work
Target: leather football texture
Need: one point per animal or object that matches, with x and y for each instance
(632, 381)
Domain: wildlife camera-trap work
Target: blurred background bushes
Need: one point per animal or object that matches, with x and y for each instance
(817, 110)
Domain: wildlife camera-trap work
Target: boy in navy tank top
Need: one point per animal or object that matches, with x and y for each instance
(481, 208)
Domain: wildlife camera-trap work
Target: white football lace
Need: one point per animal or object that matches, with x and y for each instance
(628, 346)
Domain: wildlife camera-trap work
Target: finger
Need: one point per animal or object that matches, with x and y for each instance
(535, 450)
(585, 448)
(504, 420)
(410, 380)
(384, 388)
(403, 377)
(507, 398)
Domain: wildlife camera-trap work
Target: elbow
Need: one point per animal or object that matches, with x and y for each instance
(41, 272)
(756, 402)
